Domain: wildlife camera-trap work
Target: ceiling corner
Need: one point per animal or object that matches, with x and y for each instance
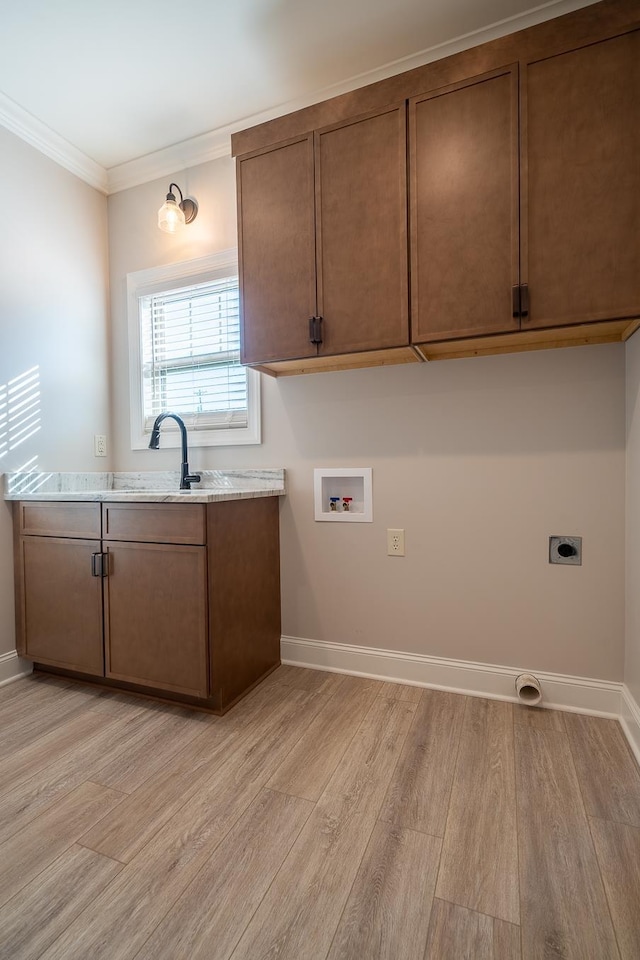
(51, 144)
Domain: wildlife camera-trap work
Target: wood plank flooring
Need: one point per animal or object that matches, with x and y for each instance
(479, 866)
(324, 818)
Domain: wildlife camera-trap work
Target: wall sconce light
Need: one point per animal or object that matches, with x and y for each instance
(172, 216)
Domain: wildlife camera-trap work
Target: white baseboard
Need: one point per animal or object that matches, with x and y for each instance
(630, 720)
(12, 667)
(600, 698)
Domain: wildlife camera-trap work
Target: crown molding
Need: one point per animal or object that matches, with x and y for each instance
(51, 144)
(171, 160)
(217, 143)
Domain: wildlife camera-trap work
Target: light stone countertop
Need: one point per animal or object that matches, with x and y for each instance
(151, 487)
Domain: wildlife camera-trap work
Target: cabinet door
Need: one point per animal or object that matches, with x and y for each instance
(276, 233)
(581, 184)
(156, 616)
(361, 223)
(62, 603)
(463, 143)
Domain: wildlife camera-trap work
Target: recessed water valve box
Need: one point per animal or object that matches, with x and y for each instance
(343, 494)
(565, 550)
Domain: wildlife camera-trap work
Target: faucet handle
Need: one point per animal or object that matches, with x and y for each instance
(186, 478)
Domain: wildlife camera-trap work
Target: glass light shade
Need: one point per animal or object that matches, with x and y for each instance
(170, 216)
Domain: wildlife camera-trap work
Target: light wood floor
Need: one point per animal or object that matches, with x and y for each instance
(324, 817)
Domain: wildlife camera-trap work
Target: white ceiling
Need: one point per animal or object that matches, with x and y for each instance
(121, 79)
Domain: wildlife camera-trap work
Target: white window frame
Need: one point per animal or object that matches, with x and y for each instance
(168, 277)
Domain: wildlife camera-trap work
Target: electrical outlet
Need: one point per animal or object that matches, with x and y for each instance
(395, 543)
(99, 445)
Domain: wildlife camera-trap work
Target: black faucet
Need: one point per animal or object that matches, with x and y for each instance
(186, 478)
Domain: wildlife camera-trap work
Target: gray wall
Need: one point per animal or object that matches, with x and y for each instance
(480, 460)
(632, 654)
(53, 316)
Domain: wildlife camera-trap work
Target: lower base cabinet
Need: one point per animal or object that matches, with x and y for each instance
(181, 601)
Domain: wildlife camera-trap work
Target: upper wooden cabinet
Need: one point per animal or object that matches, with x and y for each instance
(562, 221)
(464, 207)
(523, 205)
(580, 170)
(323, 234)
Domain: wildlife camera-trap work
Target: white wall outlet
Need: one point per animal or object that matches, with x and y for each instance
(99, 445)
(395, 543)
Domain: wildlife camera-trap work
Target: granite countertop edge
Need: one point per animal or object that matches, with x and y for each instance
(120, 496)
(158, 487)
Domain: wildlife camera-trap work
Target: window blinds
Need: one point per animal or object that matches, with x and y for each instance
(191, 355)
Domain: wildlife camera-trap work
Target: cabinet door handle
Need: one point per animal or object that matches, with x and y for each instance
(315, 329)
(520, 301)
(99, 564)
(515, 301)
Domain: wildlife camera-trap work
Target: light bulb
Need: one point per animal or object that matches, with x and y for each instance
(170, 216)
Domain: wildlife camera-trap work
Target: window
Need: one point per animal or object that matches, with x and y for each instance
(184, 344)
